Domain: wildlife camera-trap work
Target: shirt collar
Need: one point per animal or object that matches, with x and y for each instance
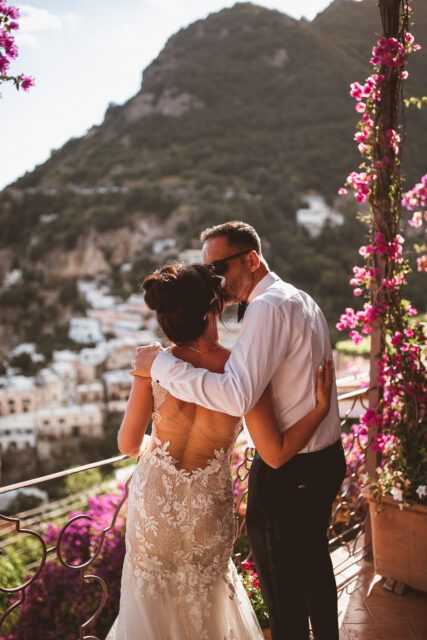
(263, 285)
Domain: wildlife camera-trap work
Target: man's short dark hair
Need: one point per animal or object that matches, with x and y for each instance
(239, 234)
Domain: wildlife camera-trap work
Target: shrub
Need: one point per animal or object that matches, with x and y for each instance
(59, 601)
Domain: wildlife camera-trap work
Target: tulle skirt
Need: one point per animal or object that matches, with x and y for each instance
(229, 615)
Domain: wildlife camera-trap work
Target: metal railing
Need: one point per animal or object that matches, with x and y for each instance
(345, 529)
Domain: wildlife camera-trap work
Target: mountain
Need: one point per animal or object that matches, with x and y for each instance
(240, 114)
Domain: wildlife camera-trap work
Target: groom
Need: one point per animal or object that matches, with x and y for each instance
(283, 339)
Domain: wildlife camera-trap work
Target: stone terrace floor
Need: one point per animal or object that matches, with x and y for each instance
(369, 612)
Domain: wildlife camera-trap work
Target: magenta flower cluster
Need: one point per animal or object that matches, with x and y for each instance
(398, 420)
(388, 52)
(59, 600)
(417, 196)
(415, 200)
(370, 90)
(8, 50)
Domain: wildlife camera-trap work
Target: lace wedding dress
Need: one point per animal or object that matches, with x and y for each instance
(178, 581)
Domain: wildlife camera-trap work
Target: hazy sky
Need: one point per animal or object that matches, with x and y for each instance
(83, 55)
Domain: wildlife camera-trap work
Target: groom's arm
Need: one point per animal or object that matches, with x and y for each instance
(259, 350)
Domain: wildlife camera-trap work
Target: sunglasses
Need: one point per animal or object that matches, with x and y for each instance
(220, 267)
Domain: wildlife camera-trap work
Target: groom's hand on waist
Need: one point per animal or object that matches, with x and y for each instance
(144, 358)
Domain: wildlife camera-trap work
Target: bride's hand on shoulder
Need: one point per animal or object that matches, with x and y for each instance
(324, 382)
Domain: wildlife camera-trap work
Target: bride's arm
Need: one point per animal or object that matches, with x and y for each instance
(136, 418)
(276, 448)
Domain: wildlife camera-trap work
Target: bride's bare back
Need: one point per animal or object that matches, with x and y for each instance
(195, 433)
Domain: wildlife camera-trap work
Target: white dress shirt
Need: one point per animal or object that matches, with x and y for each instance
(283, 339)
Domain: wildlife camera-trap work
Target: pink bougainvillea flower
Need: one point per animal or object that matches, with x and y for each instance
(422, 264)
(4, 64)
(356, 91)
(362, 136)
(416, 220)
(355, 336)
(8, 48)
(394, 140)
(417, 196)
(11, 12)
(27, 82)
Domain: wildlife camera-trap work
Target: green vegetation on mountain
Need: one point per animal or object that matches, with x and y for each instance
(238, 117)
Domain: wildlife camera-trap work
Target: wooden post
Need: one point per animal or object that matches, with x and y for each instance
(385, 208)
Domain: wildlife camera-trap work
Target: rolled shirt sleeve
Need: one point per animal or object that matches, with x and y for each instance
(259, 350)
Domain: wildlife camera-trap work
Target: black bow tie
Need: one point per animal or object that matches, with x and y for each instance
(241, 310)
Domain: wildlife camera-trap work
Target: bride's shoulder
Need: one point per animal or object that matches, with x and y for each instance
(220, 357)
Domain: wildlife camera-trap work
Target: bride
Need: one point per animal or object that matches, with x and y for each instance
(178, 581)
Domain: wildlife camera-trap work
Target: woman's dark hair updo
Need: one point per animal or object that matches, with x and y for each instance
(183, 295)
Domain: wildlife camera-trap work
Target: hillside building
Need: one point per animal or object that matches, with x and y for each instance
(316, 215)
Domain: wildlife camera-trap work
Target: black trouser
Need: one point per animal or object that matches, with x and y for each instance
(287, 518)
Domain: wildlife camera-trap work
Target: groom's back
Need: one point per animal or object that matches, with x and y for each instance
(308, 344)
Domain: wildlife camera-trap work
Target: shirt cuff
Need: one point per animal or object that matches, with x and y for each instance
(162, 363)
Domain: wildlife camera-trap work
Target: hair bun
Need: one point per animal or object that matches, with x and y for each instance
(161, 291)
(183, 296)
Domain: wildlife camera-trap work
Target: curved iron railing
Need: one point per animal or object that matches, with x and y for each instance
(345, 528)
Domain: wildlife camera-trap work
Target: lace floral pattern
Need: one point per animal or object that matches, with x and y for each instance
(179, 538)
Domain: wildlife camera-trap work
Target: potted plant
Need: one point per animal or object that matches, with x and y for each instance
(396, 422)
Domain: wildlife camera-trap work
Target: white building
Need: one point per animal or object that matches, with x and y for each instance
(117, 384)
(122, 352)
(67, 372)
(18, 431)
(91, 362)
(75, 421)
(65, 355)
(97, 296)
(18, 394)
(85, 330)
(317, 213)
(90, 392)
(126, 267)
(161, 245)
(65, 423)
(136, 303)
(50, 389)
(12, 277)
(29, 348)
(118, 321)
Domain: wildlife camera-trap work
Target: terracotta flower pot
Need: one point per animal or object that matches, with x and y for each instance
(399, 541)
